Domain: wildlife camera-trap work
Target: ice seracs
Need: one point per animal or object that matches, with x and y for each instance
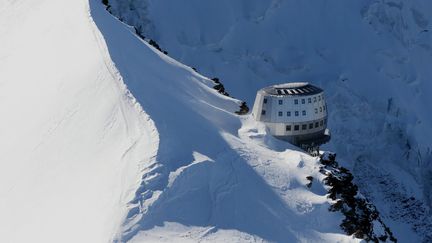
(295, 112)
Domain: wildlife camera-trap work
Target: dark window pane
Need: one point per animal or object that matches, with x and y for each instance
(288, 113)
(309, 100)
(296, 113)
(280, 102)
(303, 101)
(321, 123)
(265, 101)
(263, 112)
(288, 127)
(296, 127)
(296, 101)
(316, 124)
(280, 113)
(310, 125)
(304, 113)
(304, 127)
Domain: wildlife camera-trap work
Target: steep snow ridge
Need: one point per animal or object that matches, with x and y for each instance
(216, 176)
(68, 128)
(372, 57)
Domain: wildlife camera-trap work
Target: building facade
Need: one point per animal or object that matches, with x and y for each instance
(295, 112)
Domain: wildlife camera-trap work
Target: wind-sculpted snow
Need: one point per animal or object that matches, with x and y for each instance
(372, 58)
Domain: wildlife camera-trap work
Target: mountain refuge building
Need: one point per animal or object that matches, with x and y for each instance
(294, 112)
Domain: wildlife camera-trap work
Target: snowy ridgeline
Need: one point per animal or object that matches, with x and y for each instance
(215, 176)
(372, 58)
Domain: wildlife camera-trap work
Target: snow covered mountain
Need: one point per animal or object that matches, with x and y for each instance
(373, 58)
(106, 139)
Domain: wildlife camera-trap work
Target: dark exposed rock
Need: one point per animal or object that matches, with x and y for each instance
(244, 109)
(360, 214)
(310, 179)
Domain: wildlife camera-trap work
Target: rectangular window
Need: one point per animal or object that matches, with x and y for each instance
(280, 113)
(303, 101)
(296, 127)
(309, 100)
(296, 113)
(314, 99)
(316, 124)
(265, 101)
(310, 125)
(316, 110)
(304, 126)
(288, 127)
(321, 123)
(263, 112)
(296, 101)
(319, 97)
(324, 107)
(288, 113)
(304, 113)
(320, 109)
(280, 102)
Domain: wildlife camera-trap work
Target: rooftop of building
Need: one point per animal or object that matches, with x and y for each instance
(292, 89)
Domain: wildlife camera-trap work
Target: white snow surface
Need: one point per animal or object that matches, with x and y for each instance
(69, 128)
(373, 59)
(105, 139)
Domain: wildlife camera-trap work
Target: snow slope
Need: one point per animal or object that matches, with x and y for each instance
(372, 58)
(69, 128)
